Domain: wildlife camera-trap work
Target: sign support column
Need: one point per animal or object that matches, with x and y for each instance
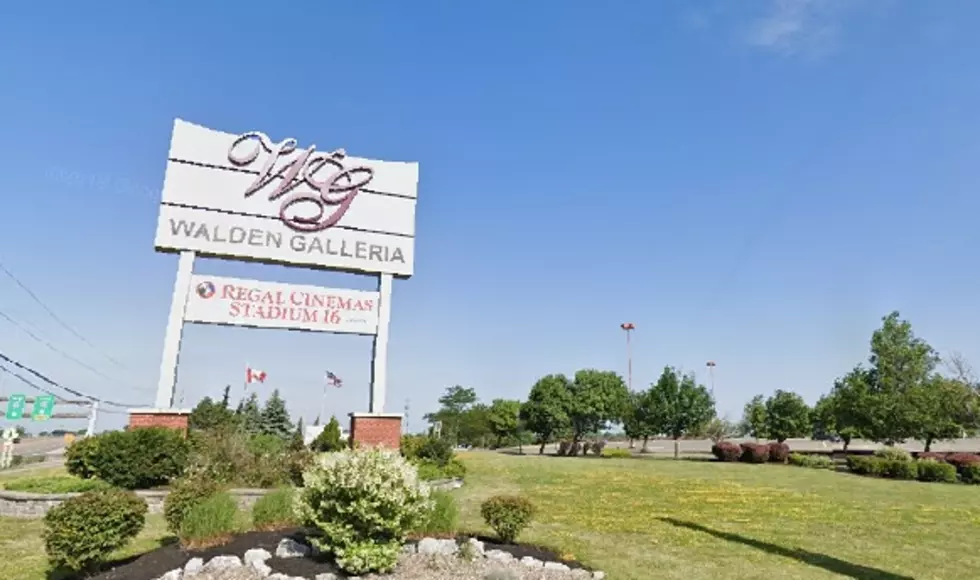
(379, 359)
(175, 329)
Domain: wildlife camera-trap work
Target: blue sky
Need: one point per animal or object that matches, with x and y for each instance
(752, 182)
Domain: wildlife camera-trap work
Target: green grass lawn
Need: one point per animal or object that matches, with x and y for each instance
(23, 549)
(691, 520)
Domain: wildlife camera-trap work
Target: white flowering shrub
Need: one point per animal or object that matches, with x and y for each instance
(363, 503)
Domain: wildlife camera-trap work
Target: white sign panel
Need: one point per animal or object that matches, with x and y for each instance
(232, 301)
(246, 196)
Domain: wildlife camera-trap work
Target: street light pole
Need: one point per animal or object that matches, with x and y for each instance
(711, 374)
(629, 327)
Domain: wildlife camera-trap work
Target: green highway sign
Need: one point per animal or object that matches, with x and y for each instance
(15, 407)
(43, 407)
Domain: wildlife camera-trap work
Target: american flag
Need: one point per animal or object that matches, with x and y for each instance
(334, 380)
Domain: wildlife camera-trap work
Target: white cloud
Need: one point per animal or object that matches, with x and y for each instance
(808, 28)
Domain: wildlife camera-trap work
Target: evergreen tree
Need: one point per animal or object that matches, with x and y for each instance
(275, 417)
(210, 415)
(249, 415)
(225, 399)
(330, 439)
(297, 441)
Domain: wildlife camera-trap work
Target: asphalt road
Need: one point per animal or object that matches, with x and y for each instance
(40, 446)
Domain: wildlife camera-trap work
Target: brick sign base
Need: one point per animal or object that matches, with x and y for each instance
(169, 418)
(376, 430)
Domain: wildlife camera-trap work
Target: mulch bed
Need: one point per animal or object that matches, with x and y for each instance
(166, 558)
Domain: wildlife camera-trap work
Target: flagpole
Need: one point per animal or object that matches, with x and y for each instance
(323, 398)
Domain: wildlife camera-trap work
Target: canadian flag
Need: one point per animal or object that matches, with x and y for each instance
(253, 375)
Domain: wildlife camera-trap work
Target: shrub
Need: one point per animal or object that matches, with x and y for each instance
(563, 447)
(893, 453)
(84, 530)
(455, 469)
(932, 470)
(210, 523)
(755, 452)
(931, 455)
(508, 515)
(617, 453)
(274, 510)
(811, 461)
(726, 451)
(778, 452)
(960, 460)
(864, 465)
(79, 457)
(970, 473)
(410, 445)
(363, 503)
(55, 484)
(330, 439)
(137, 459)
(185, 493)
(436, 450)
(899, 469)
(233, 458)
(443, 518)
(598, 446)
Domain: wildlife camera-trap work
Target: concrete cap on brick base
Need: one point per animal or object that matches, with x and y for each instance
(376, 430)
(169, 418)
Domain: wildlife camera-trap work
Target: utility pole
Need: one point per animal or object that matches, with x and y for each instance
(629, 327)
(92, 418)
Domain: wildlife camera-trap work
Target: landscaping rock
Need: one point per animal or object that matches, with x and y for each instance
(499, 555)
(532, 562)
(556, 566)
(432, 546)
(176, 574)
(326, 576)
(476, 545)
(502, 574)
(598, 575)
(193, 566)
(409, 549)
(278, 576)
(289, 548)
(219, 563)
(256, 555)
(261, 567)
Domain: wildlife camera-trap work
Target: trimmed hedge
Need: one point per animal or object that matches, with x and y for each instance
(726, 451)
(811, 461)
(138, 459)
(755, 453)
(83, 531)
(778, 452)
(932, 470)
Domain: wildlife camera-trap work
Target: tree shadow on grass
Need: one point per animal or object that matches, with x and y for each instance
(828, 563)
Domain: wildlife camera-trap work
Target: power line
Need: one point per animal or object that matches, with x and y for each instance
(57, 350)
(58, 385)
(57, 318)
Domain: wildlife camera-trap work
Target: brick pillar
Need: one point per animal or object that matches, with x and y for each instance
(376, 430)
(169, 418)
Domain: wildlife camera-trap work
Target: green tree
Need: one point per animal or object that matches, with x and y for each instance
(545, 413)
(680, 405)
(943, 408)
(473, 426)
(719, 429)
(504, 419)
(453, 406)
(754, 417)
(643, 416)
(597, 398)
(330, 439)
(250, 415)
(226, 397)
(275, 418)
(787, 416)
(296, 442)
(208, 415)
(882, 396)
